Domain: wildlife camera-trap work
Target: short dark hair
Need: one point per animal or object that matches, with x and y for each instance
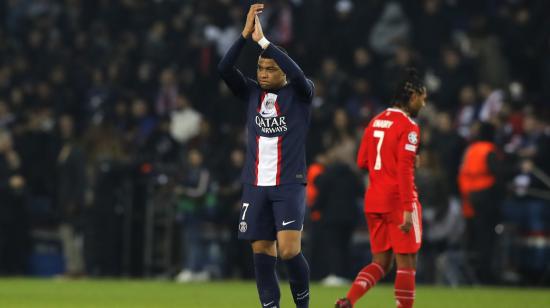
(486, 132)
(409, 84)
(263, 55)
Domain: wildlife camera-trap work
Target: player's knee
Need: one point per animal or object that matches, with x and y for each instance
(386, 266)
(406, 260)
(287, 252)
(264, 247)
(385, 261)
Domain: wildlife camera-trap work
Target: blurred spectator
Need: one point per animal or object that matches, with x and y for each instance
(280, 17)
(14, 234)
(365, 66)
(315, 169)
(362, 104)
(340, 190)
(431, 28)
(168, 93)
(155, 47)
(433, 189)
(37, 136)
(454, 75)
(343, 18)
(449, 145)
(467, 111)
(334, 81)
(442, 218)
(161, 147)
(6, 116)
(239, 255)
(225, 35)
(185, 121)
(228, 110)
(97, 97)
(486, 49)
(479, 185)
(340, 140)
(493, 104)
(391, 29)
(531, 147)
(402, 58)
(71, 185)
(519, 33)
(121, 118)
(142, 122)
(192, 206)
(106, 176)
(206, 141)
(315, 251)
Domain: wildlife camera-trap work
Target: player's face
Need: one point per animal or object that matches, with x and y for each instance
(270, 75)
(418, 100)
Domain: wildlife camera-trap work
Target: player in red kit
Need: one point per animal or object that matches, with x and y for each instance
(388, 151)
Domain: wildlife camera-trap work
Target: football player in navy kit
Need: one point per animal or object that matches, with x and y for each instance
(278, 107)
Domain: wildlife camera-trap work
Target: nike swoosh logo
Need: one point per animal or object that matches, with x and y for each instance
(288, 222)
(265, 305)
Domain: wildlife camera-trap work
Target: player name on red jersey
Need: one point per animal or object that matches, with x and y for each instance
(382, 123)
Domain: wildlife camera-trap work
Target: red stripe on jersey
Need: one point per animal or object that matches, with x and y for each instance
(262, 96)
(257, 160)
(279, 158)
(277, 108)
(279, 147)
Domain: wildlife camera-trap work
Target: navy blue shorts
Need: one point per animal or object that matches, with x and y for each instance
(268, 209)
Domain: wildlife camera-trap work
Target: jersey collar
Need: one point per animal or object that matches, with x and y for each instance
(402, 112)
(397, 110)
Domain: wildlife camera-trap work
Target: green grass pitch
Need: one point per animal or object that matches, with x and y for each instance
(147, 293)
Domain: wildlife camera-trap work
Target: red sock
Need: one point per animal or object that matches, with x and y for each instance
(365, 280)
(404, 287)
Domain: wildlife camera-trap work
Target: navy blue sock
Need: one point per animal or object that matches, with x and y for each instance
(266, 280)
(298, 276)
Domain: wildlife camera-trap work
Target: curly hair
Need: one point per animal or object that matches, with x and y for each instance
(410, 84)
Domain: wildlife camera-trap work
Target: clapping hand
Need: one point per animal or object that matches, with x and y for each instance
(251, 17)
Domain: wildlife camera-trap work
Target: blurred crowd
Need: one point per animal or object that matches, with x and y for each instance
(105, 104)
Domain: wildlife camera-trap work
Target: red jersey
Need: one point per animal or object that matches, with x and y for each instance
(388, 150)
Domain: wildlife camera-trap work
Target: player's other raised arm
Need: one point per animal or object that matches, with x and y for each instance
(298, 79)
(234, 79)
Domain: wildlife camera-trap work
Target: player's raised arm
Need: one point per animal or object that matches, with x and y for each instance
(234, 79)
(298, 79)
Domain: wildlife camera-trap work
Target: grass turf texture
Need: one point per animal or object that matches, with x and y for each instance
(143, 293)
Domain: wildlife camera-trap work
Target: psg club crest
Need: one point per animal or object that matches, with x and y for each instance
(413, 138)
(243, 226)
(268, 110)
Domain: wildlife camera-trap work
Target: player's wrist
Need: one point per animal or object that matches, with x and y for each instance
(263, 42)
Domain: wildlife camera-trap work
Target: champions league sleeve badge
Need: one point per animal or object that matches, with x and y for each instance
(413, 138)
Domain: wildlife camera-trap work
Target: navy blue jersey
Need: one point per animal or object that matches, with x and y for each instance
(277, 120)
